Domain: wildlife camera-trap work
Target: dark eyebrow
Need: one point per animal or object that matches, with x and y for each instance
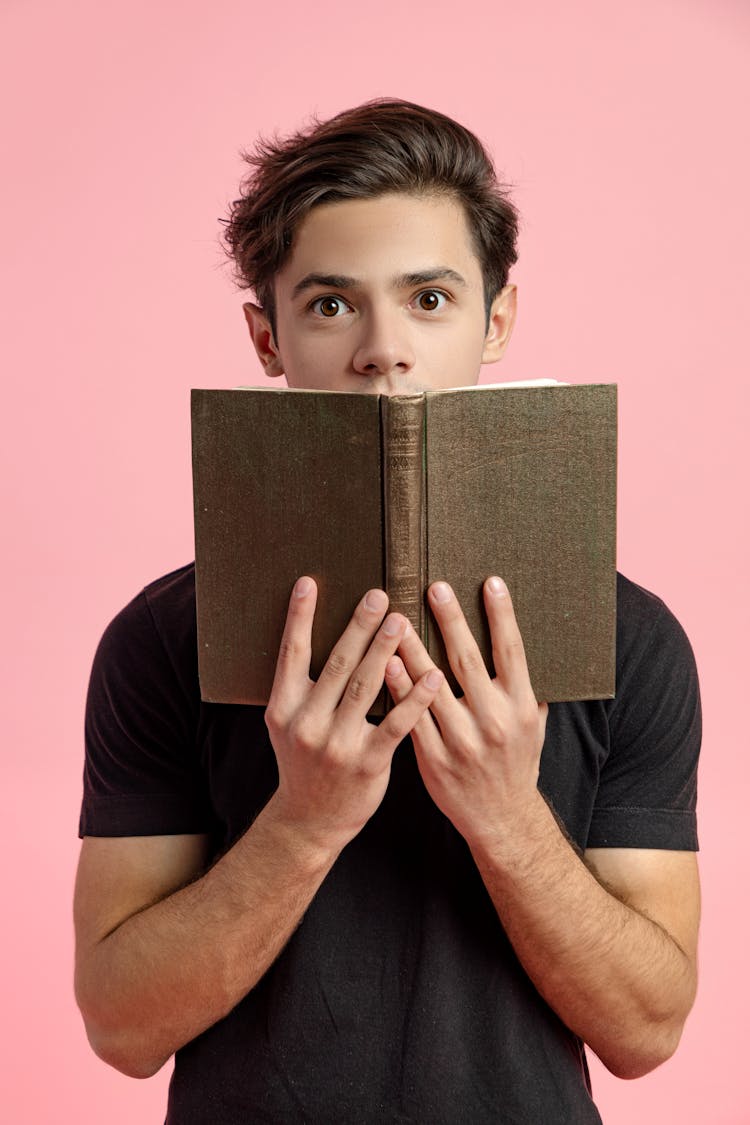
(325, 281)
(403, 281)
(425, 277)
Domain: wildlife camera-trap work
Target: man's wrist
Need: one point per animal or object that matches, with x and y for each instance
(314, 848)
(520, 840)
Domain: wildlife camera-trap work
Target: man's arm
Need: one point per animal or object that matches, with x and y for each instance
(151, 975)
(617, 963)
(611, 942)
(158, 962)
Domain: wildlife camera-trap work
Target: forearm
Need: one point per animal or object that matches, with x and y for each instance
(150, 983)
(615, 977)
(170, 971)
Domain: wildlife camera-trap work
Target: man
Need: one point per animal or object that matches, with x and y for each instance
(328, 923)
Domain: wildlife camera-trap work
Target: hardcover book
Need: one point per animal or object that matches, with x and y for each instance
(365, 490)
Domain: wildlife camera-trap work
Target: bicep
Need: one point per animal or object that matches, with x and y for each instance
(662, 885)
(120, 876)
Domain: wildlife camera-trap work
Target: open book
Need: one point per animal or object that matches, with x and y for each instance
(363, 491)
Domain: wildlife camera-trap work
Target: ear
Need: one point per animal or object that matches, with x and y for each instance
(502, 319)
(264, 343)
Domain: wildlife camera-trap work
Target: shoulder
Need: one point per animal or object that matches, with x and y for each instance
(156, 632)
(638, 607)
(142, 774)
(166, 606)
(656, 709)
(171, 604)
(649, 636)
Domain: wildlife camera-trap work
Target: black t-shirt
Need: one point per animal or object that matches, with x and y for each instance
(399, 997)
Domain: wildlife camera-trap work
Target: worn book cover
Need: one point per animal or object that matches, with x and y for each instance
(364, 491)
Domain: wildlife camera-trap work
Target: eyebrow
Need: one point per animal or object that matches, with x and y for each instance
(402, 281)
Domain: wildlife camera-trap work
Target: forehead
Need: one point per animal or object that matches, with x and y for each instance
(390, 234)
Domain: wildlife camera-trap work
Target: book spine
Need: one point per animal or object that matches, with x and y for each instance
(402, 427)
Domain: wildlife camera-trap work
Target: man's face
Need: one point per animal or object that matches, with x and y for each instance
(382, 295)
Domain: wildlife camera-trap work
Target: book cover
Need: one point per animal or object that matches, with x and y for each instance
(361, 490)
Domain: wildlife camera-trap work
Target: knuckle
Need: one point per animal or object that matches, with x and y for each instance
(393, 726)
(494, 732)
(303, 735)
(465, 752)
(335, 752)
(288, 649)
(509, 651)
(358, 687)
(272, 718)
(529, 719)
(468, 661)
(336, 666)
(371, 765)
(422, 694)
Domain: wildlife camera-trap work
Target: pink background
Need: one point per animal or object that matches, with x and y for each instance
(624, 128)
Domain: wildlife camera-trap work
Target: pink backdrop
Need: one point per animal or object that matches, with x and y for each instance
(624, 128)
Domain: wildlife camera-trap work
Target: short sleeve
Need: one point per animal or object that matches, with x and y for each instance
(648, 784)
(141, 774)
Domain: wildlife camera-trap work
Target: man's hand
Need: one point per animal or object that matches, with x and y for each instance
(333, 764)
(627, 946)
(157, 962)
(480, 763)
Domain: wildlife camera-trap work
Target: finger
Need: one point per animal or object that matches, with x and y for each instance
(348, 652)
(366, 681)
(462, 649)
(399, 684)
(445, 707)
(411, 713)
(508, 654)
(397, 679)
(293, 662)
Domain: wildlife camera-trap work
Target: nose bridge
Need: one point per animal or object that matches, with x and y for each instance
(385, 341)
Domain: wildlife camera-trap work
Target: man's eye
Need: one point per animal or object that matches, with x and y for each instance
(329, 306)
(431, 300)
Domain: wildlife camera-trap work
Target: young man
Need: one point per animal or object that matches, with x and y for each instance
(328, 921)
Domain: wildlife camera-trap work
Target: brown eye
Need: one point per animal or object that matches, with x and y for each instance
(430, 300)
(328, 306)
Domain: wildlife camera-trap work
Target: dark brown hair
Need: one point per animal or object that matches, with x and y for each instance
(380, 147)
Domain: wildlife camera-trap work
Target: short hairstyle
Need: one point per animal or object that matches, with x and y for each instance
(379, 147)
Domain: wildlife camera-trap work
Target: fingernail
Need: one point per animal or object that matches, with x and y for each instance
(497, 587)
(392, 626)
(434, 679)
(302, 586)
(441, 592)
(376, 601)
(393, 667)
